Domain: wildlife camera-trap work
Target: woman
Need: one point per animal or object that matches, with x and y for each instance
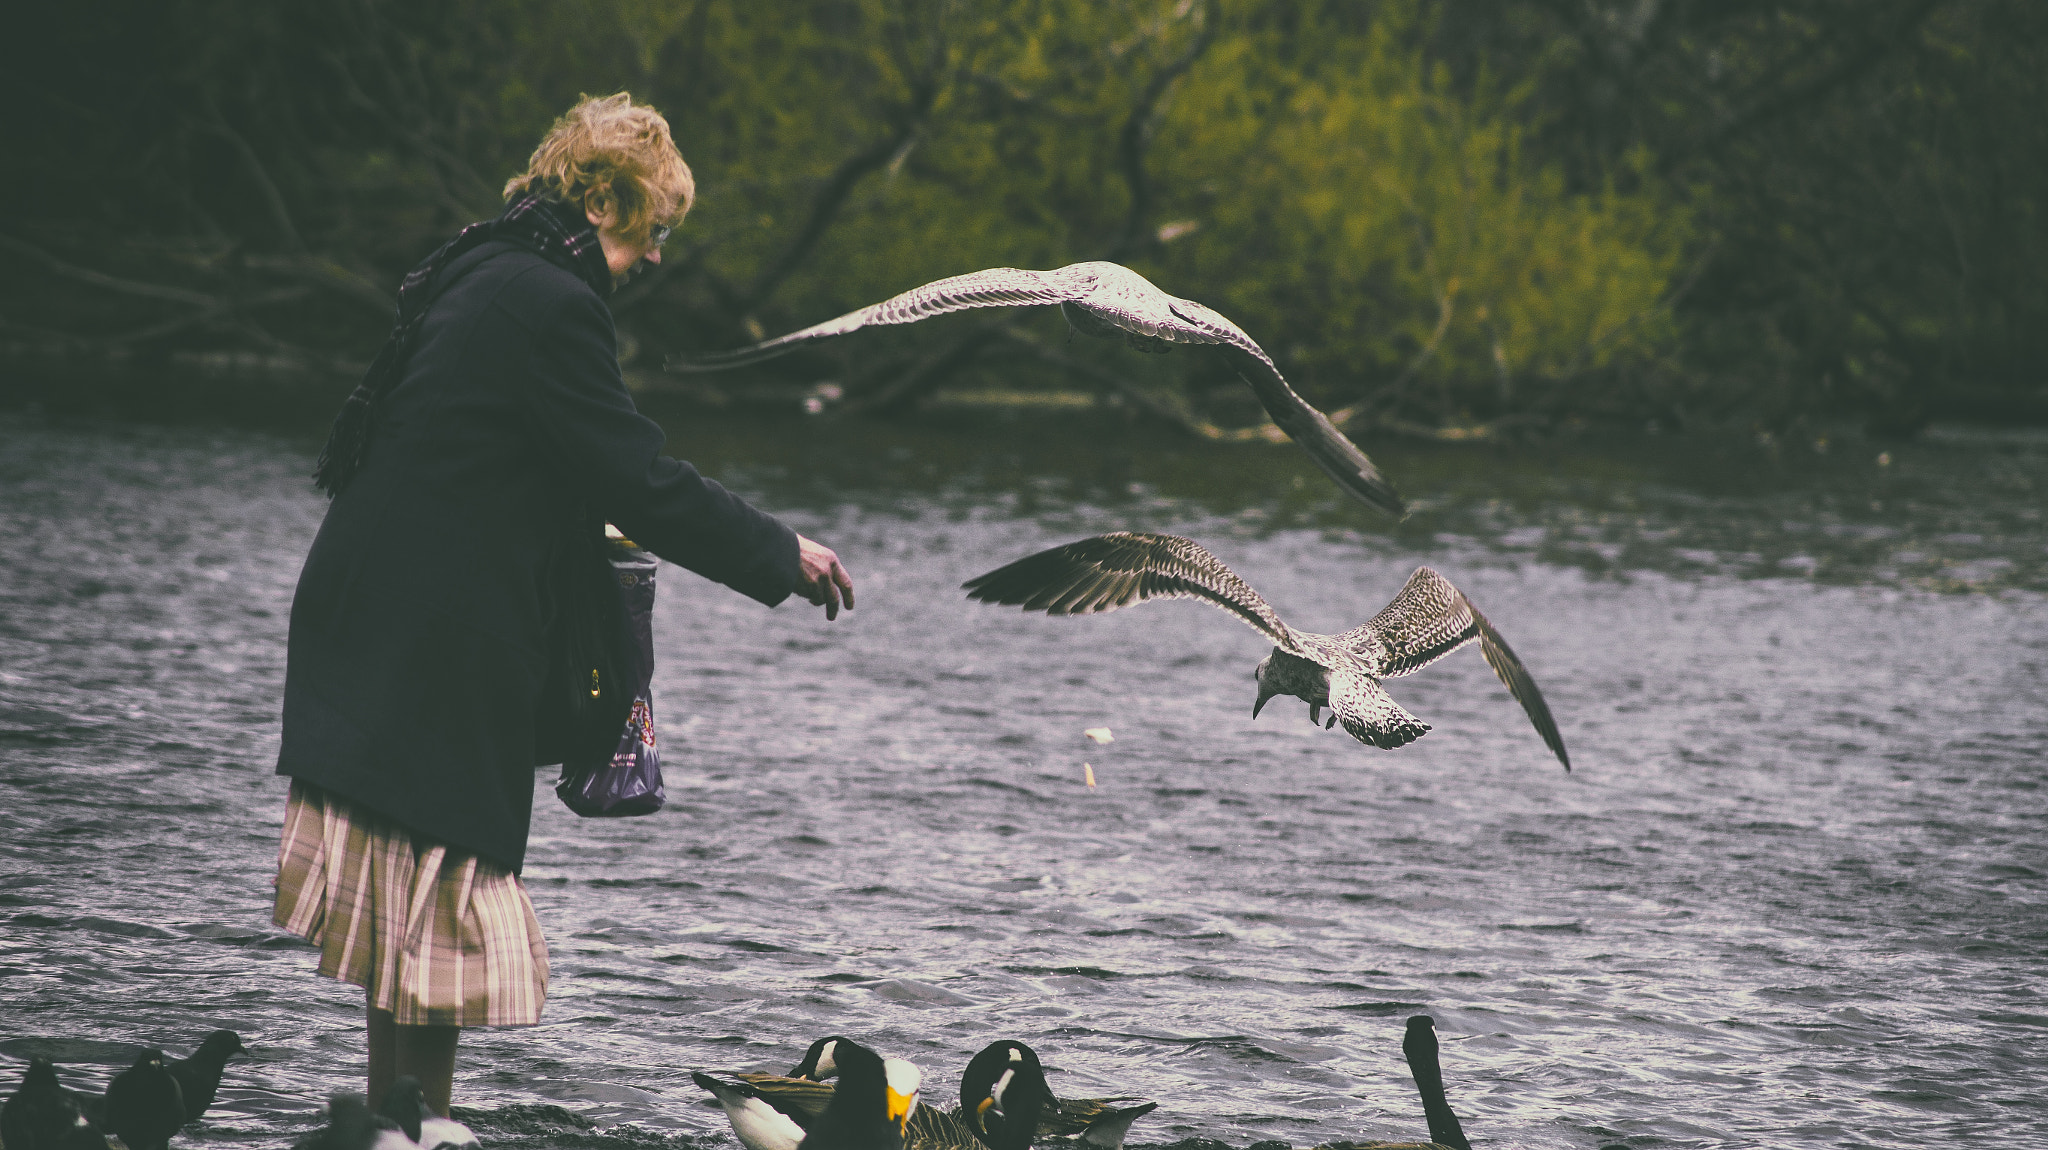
(428, 670)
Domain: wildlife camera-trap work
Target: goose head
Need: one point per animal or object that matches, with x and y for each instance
(820, 1061)
(1002, 1093)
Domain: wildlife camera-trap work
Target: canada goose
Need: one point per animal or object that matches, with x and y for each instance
(1426, 621)
(871, 1105)
(1003, 1094)
(1419, 1046)
(1106, 299)
(765, 1115)
(818, 1063)
(772, 1112)
(869, 1109)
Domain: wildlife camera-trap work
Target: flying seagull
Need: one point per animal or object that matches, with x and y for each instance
(1426, 621)
(1105, 299)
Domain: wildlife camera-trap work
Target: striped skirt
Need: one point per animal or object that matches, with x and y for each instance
(435, 936)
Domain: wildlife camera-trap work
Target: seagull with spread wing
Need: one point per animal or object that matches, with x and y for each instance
(1105, 299)
(1426, 621)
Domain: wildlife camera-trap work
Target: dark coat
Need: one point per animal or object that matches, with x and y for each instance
(427, 621)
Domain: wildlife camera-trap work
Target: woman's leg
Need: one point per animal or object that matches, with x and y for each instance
(425, 1052)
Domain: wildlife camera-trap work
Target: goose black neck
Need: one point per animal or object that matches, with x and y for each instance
(1013, 1123)
(1420, 1047)
(857, 1118)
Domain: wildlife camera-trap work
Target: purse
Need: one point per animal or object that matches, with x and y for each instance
(629, 781)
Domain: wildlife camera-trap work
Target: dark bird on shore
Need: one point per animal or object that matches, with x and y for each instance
(352, 1125)
(1110, 300)
(145, 1105)
(42, 1115)
(405, 1104)
(1426, 621)
(199, 1076)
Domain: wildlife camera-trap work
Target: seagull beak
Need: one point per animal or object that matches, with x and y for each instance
(900, 1106)
(1264, 694)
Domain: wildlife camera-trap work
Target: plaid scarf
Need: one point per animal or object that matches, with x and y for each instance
(559, 231)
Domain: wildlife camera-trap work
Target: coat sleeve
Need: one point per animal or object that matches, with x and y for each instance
(611, 454)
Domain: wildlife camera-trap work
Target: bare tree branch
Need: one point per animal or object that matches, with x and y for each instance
(1136, 137)
(837, 187)
(1166, 407)
(906, 389)
(1386, 397)
(110, 283)
(208, 316)
(266, 188)
(328, 274)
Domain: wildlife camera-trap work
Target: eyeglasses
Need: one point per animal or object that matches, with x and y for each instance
(659, 235)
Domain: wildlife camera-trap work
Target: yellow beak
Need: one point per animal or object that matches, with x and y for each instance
(900, 1106)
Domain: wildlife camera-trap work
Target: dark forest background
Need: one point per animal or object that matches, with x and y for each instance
(1449, 218)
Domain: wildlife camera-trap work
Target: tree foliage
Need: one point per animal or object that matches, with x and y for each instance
(1431, 211)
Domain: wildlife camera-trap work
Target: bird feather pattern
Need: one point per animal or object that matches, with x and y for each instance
(1427, 620)
(1101, 298)
(1117, 570)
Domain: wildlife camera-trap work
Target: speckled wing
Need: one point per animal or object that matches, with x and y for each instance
(1430, 619)
(993, 287)
(1105, 572)
(1369, 713)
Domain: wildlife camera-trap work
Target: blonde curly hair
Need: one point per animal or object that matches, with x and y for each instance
(616, 159)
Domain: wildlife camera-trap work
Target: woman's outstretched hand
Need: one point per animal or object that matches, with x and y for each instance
(826, 582)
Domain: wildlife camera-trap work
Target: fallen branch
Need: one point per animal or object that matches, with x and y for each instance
(110, 283)
(326, 273)
(1390, 394)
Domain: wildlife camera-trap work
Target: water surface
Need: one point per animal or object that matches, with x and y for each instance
(1795, 891)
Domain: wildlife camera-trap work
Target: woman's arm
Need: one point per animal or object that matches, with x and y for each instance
(601, 444)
